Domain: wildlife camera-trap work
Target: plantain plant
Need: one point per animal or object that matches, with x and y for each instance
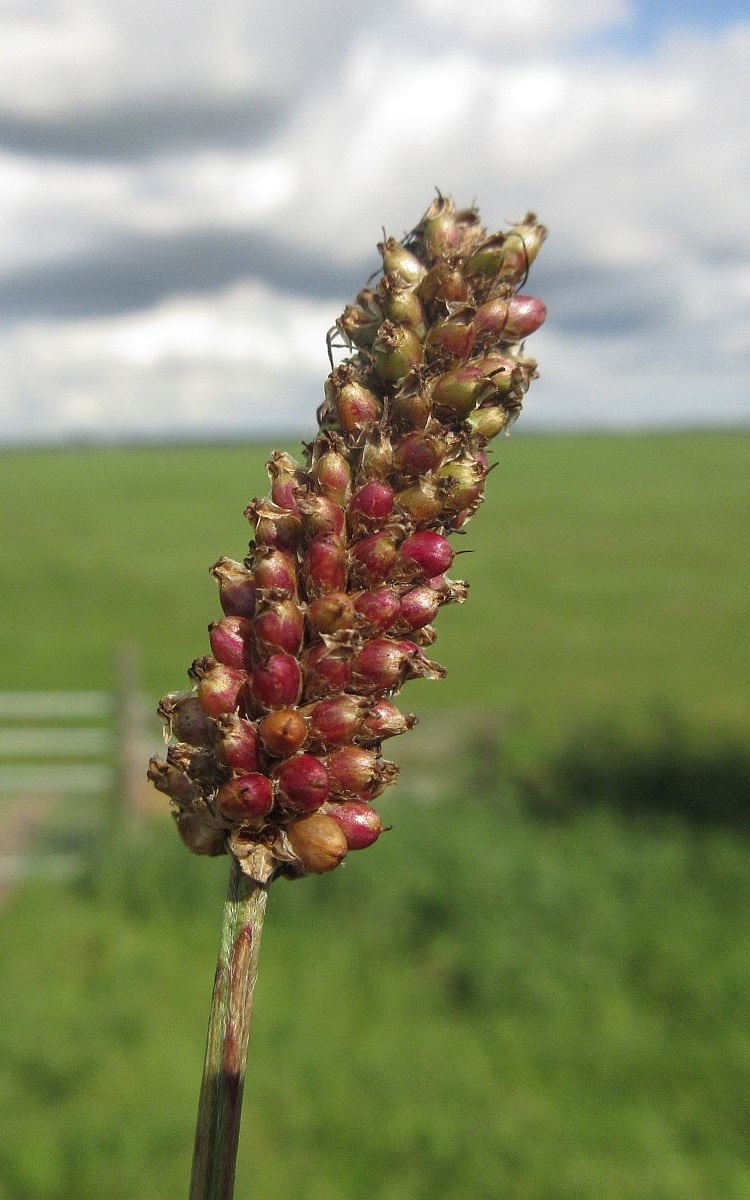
(275, 752)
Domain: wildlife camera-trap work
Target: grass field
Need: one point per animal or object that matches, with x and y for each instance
(611, 575)
(490, 1004)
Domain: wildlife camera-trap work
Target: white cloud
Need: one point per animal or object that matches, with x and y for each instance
(241, 359)
(640, 166)
(520, 24)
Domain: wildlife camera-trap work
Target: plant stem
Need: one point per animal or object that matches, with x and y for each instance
(220, 1106)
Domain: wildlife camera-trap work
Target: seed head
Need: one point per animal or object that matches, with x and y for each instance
(275, 754)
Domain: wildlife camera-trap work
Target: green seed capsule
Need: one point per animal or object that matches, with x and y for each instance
(400, 262)
(395, 352)
(488, 421)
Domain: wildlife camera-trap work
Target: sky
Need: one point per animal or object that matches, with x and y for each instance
(191, 191)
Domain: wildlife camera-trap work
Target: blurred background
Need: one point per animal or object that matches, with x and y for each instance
(537, 985)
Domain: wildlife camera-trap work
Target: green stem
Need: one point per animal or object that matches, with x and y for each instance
(220, 1106)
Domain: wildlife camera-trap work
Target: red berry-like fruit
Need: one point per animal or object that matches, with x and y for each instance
(373, 502)
(245, 798)
(276, 681)
(430, 552)
(377, 608)
(237, 587)
(335, 721)
(238, 742)
(384, 720)
(230, 641)
(359, 821)
(279, 625)
(324, 566)
(373, 557)
(221, 689)
(303, 782)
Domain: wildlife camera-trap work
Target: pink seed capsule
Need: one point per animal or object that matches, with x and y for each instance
(279, 625)
(186, 719)
(324, 567)
(276, 681)
(331, 613)
(380, 666)
(454, 337)
(236, 587)
(384, 720)
(320, 514)
(510, 318)
(526, 315)
(377, 608)
(373, 557)
(245, 798)
(327, 670)
(359, 821)
(418, 453)
(221, 689)
(334, 721)
(303, 783)
(230, 640)
(238, 742)
(418, 607)
(275, 568)
(372, 503)
(352, 771)
(457, 392)
(334, 476)
(287, 478)
(430, 552)
(356, 407)
(274, 526)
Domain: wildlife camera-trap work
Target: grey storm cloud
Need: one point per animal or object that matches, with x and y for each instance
(145, 126)
(138, 271)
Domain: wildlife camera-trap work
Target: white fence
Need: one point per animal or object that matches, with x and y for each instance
(69, 760)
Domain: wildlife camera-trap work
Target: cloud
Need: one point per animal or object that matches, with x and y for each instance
(259, 162)
(236, 359)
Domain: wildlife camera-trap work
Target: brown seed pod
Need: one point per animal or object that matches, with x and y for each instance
(318, 841)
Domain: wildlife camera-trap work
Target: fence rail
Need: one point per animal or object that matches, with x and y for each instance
(93, 747)
(61, 745)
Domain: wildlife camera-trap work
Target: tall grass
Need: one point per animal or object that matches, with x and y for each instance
(491, 1003)
(487, 1006)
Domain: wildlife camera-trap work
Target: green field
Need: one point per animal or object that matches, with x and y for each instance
(611, 575)
(498, 1001)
